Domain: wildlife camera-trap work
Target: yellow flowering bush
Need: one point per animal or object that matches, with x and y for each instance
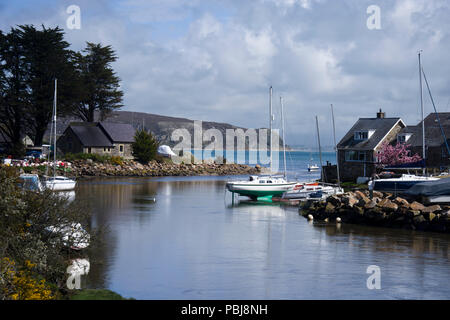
(22, 284)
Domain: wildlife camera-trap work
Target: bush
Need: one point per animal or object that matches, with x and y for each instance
(84, 156)
(116, 160)
(144, 147)
(33, 260)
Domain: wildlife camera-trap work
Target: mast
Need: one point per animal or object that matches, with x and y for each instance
(335, 146)
(421, 107)
(54, 137)
(320, 150)
(270, 126)
(284, 143)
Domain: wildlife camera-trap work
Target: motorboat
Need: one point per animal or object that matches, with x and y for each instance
(260, 186)
(312, 190)
(398, 183)
(313, 167)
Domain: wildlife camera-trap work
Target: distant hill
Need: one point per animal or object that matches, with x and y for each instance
(160, 126)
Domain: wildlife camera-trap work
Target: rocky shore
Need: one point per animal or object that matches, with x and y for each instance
(86, 168)
(382, 209)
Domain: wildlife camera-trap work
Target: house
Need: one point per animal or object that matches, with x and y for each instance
(102, 138)
(5, 142)
(436, 153)
(357, 150)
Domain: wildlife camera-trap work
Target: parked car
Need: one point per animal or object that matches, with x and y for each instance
(34, 154)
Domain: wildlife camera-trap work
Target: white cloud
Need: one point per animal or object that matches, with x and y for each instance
(214, 60)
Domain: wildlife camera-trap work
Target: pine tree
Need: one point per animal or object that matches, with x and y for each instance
(145, 147)
(100, 83)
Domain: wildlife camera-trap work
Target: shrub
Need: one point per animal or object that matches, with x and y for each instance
(116, 160)
(144, 147)
(33, 261)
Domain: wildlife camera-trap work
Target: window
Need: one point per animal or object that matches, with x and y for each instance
(121, 148)
(402, 138)
(355, 156)
(363, 134)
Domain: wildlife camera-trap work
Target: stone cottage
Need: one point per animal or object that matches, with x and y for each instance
(357, 150)
(102, 138)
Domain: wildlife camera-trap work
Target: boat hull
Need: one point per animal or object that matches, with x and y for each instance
(254, 190)
(63, 185)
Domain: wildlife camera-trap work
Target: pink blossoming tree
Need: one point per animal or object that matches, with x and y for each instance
(394, 155)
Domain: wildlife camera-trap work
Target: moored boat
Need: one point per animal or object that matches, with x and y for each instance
(261, 186)
(398, 184)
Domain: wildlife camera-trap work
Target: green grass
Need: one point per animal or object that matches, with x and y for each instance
(96, 294)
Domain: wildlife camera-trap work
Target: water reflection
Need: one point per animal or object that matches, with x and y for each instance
(178, 238)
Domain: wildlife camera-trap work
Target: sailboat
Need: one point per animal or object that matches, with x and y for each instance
(268, 185)
(57, 183)
(405, 181)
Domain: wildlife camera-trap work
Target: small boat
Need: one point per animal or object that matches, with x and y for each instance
(312, 190)
(398, 183)
(60, 183)
(57, 183)
(313, 167)
(30, 182)
(261, 186)
(72, 236)
(268, 185)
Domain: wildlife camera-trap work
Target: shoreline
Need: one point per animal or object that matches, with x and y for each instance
(382, 210)
(86, 169)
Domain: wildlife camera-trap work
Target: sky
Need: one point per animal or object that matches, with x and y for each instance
(215, 60)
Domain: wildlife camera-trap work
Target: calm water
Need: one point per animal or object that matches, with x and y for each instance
(192, 244)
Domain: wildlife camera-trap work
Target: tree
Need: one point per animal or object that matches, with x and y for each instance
(395, 155)
(30, 60)
(13, 93)
(145, 147)
(100, 83)
(46, 57)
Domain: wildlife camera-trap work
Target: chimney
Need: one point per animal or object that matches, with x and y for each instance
(380, 114)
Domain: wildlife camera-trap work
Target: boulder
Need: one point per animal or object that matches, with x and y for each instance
(359, 195)
(349, 200)
(387, 205)
(416, 206)
(330, 208)
(402, 202)
(429, 209)
(377, 194)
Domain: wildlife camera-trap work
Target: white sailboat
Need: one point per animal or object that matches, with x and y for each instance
(57, 183)
(405, 181)
(269, 185)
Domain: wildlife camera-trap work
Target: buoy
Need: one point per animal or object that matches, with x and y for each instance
(326, 220)
(310, 217)
(338, 220)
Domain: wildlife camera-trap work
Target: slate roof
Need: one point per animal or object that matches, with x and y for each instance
(381, 126)
(90, 134)
(433, 135)
(119, 132)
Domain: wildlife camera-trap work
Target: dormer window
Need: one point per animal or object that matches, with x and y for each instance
(363, 134)
(403, 137)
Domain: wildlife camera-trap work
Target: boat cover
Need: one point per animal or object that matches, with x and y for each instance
(439, 187)
(166, 151)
